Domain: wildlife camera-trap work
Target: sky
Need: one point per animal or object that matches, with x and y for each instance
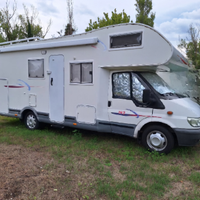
(173, 17)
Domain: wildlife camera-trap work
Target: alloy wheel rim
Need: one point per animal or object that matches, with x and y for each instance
(31, 121)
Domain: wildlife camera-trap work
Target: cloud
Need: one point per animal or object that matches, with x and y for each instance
(175, 25)
(178, 27)
(82, 9)
(167, 10)
(47, 8)
(195, 14)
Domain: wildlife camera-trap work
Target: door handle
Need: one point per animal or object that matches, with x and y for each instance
(51, 81)
(109, 103)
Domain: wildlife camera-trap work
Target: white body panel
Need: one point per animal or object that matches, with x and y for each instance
(182, 109)
(86, 114)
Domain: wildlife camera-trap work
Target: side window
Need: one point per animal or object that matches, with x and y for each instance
(75, 73)
(137, 89)
(36, 68)
(127, 86)
(126, 40)
(81, 73)
(121, 85)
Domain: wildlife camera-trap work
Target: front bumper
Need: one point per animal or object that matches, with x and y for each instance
(187, 137)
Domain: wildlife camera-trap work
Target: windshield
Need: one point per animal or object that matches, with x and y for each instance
(160, 85)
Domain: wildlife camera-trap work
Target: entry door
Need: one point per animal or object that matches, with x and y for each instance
(56, 88)
(3, 96)
(125, 103)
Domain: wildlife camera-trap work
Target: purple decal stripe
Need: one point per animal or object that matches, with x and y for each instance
(14, 86)
(123, 113)
(126, 115)
(21, 86)
(94, 46)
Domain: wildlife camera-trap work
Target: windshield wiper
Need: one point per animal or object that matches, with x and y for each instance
(182, 95)
(171, 94)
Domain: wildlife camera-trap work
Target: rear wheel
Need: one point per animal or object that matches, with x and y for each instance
(31, 121)
(158, 138)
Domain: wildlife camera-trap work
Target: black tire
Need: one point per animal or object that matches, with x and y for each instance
(31, 121)
(158, 138)
(21, 120)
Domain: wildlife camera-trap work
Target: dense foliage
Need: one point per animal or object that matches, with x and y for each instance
(116, 18)
(144, 15)
(18, 26)
(191, 46)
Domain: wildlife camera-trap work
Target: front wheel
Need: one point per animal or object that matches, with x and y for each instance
(31, 121)
(158, 138)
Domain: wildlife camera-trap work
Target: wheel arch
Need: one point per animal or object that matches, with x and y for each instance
(140, 132)
(25, 110)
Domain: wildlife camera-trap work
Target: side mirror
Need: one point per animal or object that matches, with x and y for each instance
(146, 96)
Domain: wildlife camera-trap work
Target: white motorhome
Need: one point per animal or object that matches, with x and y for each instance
(104, 80)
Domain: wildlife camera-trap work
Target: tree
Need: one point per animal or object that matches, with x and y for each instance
(144, 7)
(106, 21)
(69, 30)
(2, 38)
(70, 27)
(30, 24)
(13, 26)
(9, 27)
(191, 45)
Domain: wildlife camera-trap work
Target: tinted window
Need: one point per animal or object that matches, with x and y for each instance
(126, 40)
(81, 73)
(137, 89)
(121, 85)
(36, 68)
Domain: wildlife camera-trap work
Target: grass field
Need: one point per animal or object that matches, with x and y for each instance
(72, 164)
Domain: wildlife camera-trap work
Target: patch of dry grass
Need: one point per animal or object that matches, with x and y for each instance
(58, 164)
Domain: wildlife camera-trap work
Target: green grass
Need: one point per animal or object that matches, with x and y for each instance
(117, 166)
(195, 178)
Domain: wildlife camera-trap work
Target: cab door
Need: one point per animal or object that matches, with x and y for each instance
(126, 108)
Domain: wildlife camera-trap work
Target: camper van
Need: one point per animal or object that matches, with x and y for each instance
(105, 80)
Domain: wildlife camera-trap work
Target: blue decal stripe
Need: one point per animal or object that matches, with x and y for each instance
(29, 88)
(105, 48)
(134, 113)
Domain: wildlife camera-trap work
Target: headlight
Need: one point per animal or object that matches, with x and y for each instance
(195, 122)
